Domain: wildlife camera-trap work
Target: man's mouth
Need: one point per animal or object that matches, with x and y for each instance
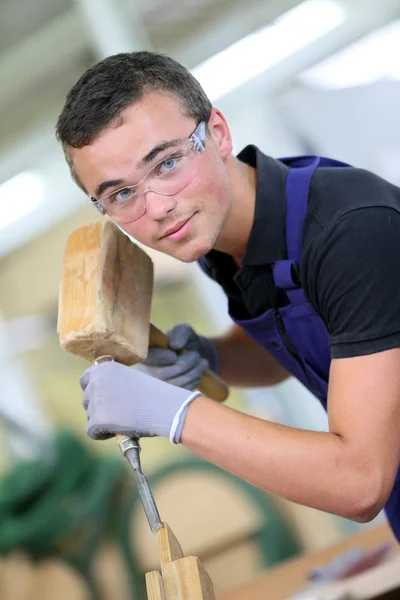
(179, 230)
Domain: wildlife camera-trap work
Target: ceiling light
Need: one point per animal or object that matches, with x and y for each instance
(370, 59)
(263, 49)
(20, 196)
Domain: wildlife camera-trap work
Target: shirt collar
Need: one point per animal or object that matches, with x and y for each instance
(267, 241)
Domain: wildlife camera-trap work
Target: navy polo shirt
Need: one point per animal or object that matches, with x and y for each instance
(350, 265)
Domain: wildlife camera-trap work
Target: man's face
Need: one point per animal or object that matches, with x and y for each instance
(198, 211)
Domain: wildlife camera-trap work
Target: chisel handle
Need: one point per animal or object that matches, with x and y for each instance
(211, 385)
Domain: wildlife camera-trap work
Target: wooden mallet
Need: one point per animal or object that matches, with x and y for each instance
(105, 300)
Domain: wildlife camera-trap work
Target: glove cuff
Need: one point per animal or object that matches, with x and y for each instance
(179, 419)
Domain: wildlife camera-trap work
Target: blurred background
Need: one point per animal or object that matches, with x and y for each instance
(318, 76)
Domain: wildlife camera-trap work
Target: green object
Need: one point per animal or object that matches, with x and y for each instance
(59, 505)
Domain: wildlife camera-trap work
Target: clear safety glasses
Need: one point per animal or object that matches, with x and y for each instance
(167, 178)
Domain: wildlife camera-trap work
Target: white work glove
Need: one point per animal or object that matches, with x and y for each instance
(120, 399)
(184, 370)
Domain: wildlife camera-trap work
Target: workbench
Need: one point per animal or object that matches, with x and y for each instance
(284, 580)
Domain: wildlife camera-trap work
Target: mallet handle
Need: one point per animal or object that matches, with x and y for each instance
(211, 384)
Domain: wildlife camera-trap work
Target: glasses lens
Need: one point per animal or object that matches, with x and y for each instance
(122, 206)
(172, 174)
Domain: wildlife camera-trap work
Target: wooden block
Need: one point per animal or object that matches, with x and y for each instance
(105, 295)
(186, 579)
(170, 548)
(183, 577)
(154, 586)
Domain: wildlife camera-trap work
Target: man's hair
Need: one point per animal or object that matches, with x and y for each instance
(104, 91)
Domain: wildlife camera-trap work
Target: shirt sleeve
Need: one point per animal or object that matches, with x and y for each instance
(354, 281)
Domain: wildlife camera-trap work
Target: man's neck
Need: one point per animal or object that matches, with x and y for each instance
(235, 233)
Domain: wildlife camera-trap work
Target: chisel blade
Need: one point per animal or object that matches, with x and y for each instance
(130, 447)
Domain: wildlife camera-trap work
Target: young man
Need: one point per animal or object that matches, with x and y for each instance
(307, 251)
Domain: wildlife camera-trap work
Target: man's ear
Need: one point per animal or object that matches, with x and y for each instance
(220, 132)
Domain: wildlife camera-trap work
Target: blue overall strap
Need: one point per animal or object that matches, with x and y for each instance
(302, 169)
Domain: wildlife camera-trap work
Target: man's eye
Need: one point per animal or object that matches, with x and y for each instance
(169, 164)
(122, 196)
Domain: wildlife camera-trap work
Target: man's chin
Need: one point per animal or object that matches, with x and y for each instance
(192, 250)
(189, 256)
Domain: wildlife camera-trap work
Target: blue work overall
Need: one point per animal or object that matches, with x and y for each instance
(294, 334)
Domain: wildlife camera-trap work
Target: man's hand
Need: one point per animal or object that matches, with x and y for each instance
(183, 370)
(119, 399)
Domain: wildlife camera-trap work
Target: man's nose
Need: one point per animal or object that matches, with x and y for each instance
(157, 205)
